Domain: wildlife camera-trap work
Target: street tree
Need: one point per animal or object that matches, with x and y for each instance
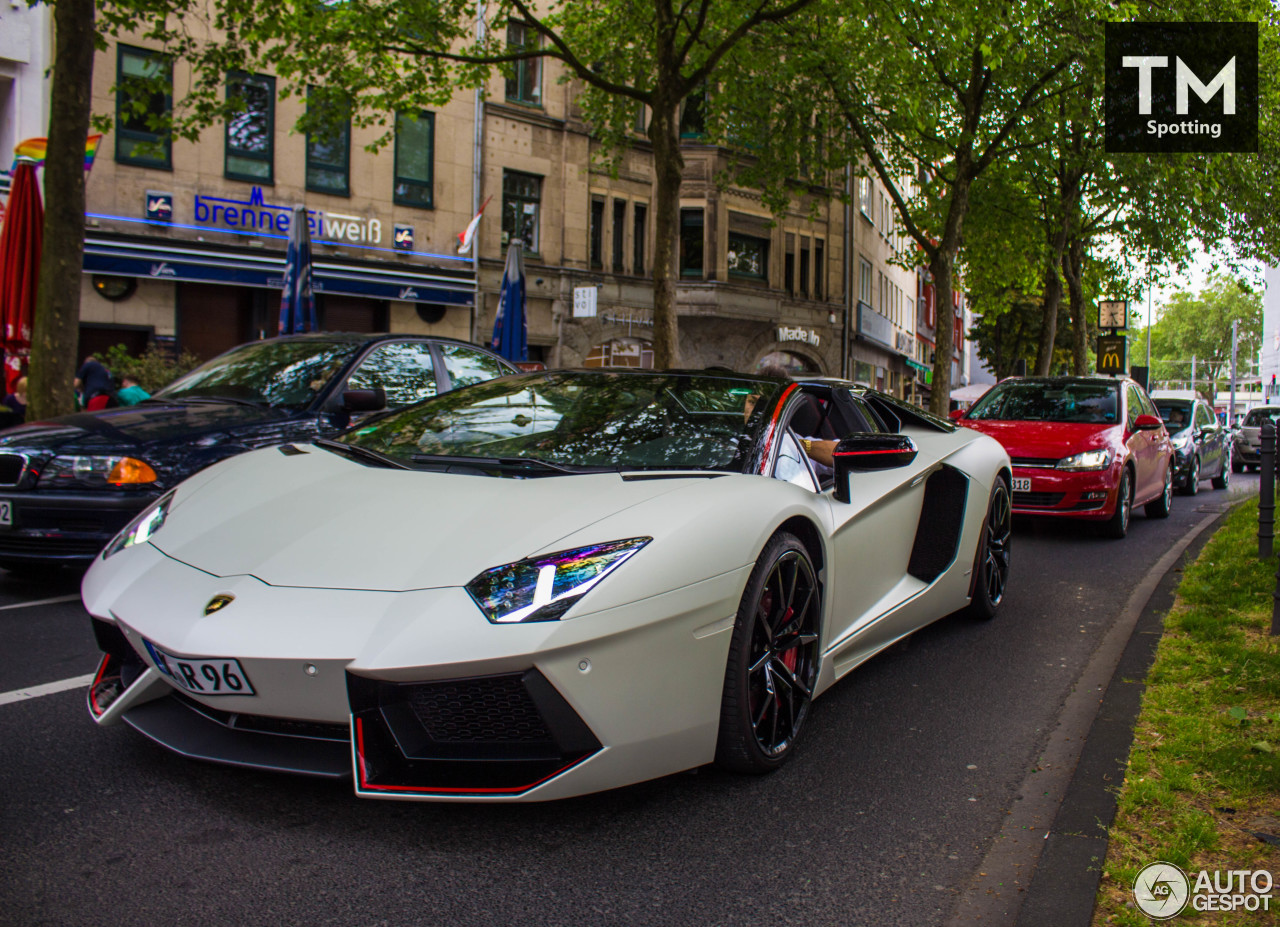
(925, 97)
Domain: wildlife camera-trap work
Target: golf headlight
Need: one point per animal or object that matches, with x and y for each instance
(1181, 441)
(142, 528)
(543, 588)
(1089, 460)
(87, 471)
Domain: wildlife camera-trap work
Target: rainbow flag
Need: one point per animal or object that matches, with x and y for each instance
(34, 149)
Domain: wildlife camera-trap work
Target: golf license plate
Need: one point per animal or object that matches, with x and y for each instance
(1022, 484)
(6, 513)
(202, 675)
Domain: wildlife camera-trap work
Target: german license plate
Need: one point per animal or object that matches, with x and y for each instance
(6, 513)
(202, 675)
(1022, 484)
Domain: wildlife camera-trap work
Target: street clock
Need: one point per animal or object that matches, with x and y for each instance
(1113, 313)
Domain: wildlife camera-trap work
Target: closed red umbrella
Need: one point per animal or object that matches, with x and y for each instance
(20, 240)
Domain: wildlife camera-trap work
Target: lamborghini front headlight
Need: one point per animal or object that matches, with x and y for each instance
(544, 588)
(142, 528)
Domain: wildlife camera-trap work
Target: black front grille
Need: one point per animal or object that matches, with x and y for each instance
(262, 724)
(1040, 500)
(50, 546)
(11, 466)
(1042, 462)
(496, 709)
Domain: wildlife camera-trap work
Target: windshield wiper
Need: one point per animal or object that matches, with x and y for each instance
(253, 403)
(361, 453)
(527, 464)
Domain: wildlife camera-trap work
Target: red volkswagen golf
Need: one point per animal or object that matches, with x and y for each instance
(1082, 447)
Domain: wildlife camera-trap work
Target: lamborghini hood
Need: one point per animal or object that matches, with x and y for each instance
(318, 519)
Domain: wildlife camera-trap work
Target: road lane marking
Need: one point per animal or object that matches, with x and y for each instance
(49, 688)
(75, 597)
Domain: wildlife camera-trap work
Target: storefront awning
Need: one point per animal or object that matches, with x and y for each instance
(208, 263)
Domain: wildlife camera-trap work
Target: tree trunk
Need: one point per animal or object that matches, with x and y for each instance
(1049, 316)
(668, 168)
(1073, 271)
(55, 328)
(942, 262)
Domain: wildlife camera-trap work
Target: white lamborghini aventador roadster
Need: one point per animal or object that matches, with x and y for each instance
(544, 585)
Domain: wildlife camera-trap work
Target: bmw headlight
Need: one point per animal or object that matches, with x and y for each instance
(1089, 460)
(142, 528)
(543, 588)
(92, 471)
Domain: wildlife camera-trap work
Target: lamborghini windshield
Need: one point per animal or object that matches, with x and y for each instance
(1083, 401)
(582, 420)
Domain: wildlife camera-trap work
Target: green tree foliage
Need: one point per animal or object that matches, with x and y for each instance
(1198, 325)
(153, 370)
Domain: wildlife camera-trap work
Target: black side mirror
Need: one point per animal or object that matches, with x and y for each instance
(364, 400)
(866, 450)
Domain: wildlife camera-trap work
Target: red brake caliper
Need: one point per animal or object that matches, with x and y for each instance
(790, 658)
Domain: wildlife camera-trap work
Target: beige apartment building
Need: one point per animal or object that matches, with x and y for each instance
(185, 241)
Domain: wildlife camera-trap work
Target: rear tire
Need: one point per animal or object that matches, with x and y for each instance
(1193, 478)
(1159, 506)
(1237, 467)
(1117, 526)
(991, 562)
(773, 660)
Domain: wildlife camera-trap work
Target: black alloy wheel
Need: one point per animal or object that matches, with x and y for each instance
(1159, 506)
(1117, 526)
(991, 565)
(773, 660)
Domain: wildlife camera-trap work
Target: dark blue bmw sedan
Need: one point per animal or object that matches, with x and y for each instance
(68, 485)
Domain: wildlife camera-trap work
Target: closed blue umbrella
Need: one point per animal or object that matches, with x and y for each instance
(298, 304)
(510, 328)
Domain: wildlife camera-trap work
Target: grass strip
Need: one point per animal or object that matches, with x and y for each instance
(1203, 779)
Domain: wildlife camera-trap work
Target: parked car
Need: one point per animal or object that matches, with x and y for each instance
(467, 599)
(68, 485)
(1082, 447)
(1201, 446)
(1248, 440)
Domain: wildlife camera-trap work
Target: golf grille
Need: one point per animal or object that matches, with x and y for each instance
(496, 709)
(1037, 499)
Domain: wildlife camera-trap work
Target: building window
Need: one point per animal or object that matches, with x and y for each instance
(250, 148)
(524, 84)
(141, 106)
(691, 242)
(621, 352)
(415, 159)
(638, 215)
(748, 256)
(866, 200)
(864, 281)
(804, 264)
(794, 364)
(619, 234)
(597, 234)
(328, 148)
(819, 267)
(521, 202)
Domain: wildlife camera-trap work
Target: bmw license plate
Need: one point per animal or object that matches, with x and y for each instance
(202, 675)
(1022, 484)
(6, 513)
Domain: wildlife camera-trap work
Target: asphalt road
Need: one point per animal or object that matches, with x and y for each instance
(904, 776)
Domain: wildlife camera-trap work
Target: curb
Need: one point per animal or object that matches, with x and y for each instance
(1064, 887)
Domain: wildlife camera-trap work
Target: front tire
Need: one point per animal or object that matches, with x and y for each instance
(1117, 526)
(773, 660)
(991, 563)
(1159, 507)
(1193, 478)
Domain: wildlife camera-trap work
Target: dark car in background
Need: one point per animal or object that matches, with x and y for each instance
(1200, 444)
(1248, 439)
(70, 484)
